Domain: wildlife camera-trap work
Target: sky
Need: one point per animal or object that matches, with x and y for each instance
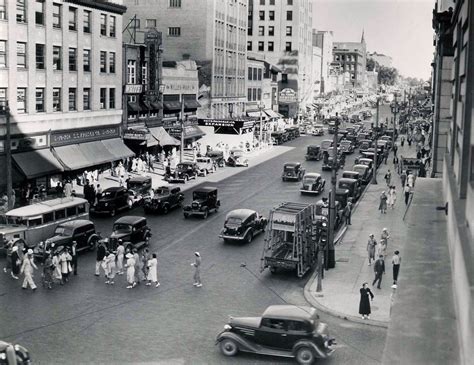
(398, 28)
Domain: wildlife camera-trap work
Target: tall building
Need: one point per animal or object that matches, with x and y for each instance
(324, 40)
(282, 30)
(60, 72)
(213, 33)
(352, 57)
(381, 59)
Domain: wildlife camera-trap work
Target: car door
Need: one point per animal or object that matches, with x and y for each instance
(80, 236)
(272, 333)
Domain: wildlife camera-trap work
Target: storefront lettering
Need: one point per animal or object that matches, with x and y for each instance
(83, 136)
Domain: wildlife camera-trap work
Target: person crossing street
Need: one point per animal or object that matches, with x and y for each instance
(197, 270)
(27, 269)
(379, 269)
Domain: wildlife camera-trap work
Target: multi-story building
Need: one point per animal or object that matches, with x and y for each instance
(352, 57)
(60, 72)
(213, 33)
(381, 59)
(324, 40)
(317, 68)
(282, 30)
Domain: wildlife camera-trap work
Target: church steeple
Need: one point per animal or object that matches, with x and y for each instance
(362, 39)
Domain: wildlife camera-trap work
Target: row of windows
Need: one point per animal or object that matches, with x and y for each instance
(254, 73)
(151, 23)
(254, 94)
(270, 46)
(271, 15)
(272, 2)
(271, 30)
(21, 94)
(348, 58)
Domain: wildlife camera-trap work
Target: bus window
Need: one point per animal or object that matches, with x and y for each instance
(48, 217)
(71, 211)
(35, 221)
(81, 209)
(59, 214)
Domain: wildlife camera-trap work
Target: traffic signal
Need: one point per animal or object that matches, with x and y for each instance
(323, 232)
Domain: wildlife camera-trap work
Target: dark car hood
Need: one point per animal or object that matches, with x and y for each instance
(199, 201)
(252, 322)
(119, 235)
(58, 239)
(106, 200)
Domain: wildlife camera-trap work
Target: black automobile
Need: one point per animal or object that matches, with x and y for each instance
(313, 153)
(163, 200)
(80, 230)
(313, 183)
(352, 185)
(139, 188)
(242, 225)
(328, 158)
(217, 156)
(282, 330)
(349, 174)
(332, 127)
(278, 137)
(113, 200)
(204, 201)
(185, 171)
(292, 171)
(365, 173)
(132, 230)
(346, 147)
(364, 145)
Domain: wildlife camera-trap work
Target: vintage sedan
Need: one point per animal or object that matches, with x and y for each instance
(318, 130)
(133, 231)
(313, 153)
(349, 174)
(163, 200)
(112, 200)
(139, 188)
(313, 183)
(282, 330)
(242, 225)
(364, 171)
(237, 159)
(204, 202)
(346, 146)
(185, 171)
(205, 165)
(353, 185)
(292, 171)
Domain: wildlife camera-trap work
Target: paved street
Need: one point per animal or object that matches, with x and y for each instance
(87, 321)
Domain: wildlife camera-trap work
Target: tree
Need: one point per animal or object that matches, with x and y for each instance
(387, 75)
(372, 64)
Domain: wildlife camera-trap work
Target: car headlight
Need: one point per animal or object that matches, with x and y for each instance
(227, 327)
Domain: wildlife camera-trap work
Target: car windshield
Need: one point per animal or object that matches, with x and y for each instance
(182, 166)
(162, 191)
(108, 194)
(134, 185)
(122, 227)
(344, 185)
(359, 169)
(290, 168)
(200, 195)
(346, 143)
(309, 179)
(202, 160)
(62, 231)
(234, 221)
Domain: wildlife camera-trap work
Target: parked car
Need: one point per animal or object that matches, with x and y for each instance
(313, 183)
(242, 225)
(185, 171)
(81, 231)
(292, 171)
(278, 137)
(313, 153)
(353, 185)
(364, 171)
(318, 130)
(163, 200)
(13, 354)
(346, 147)
(217, 157)
(325, 144)
(332, 127)
(349, 174)
(282, 330)
(139, 188)
(237, 158)
(205, 165)
(365, 161)
(204, 201)
(113, 200)
(132, 230)
(364, 145)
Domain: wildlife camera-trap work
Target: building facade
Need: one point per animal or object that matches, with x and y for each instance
(317, 68)
(381, 59)
(324, 40)
(60, 72)
(282, 30)
(352, 57)
(213, 33)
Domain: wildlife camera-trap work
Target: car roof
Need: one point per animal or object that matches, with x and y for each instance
(350, 172)
(360, 166)
(240, 213)
(75, 223)
(313, 146)
(114, 188)
(45, 206)
(140, 178)
(288, 164)
(312, 174)
(205, 189)
(348, 180)
(290, 312)
(129, 219)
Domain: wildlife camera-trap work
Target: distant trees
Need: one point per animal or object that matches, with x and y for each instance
(386, 75)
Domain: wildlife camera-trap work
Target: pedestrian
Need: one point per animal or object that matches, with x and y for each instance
(74, 257)
(395, 149)
(197, 270)
(57, 268)
(371, 244)
(65, 261)
(385, 156)
(67, 189)
(411, 180)
(130, 265)
(402, 141)
(407, 191)
(396, 260)
(379, 269)
(152, 275)
(138, 266)
(403, 178)
(385, 235)
(15, 263)
(120, 254)
(347, 213)
(144, 258)
(48, 272)
(364, 304)
(392, 197)
(27, 269)
(383, 203)
(59, 190)
(98, 193)
(110, 262)
(388, 178)
(100, 255)
(9, 247)
(382, 248)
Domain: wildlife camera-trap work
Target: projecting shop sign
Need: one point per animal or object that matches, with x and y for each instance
(288, 96)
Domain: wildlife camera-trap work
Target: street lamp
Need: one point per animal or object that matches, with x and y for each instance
(261, 106)
(331, 259)
(376, 131)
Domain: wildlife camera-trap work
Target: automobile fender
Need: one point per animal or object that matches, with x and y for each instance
(242, 343)
(92, 238)
(304, 343)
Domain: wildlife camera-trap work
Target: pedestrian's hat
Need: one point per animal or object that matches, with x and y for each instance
(29, 252)
(129, 255)
(15, 248)
(197, 254)
(384, 229)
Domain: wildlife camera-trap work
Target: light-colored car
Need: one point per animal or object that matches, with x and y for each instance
(318, 130)
(205, 165)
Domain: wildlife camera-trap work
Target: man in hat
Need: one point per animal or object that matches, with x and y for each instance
(74, 257)
(27, 268)
(197, 271)
(100, 255)
(379, 269)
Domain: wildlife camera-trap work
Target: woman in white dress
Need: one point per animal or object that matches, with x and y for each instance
(392, 197)
(110, 262)
(57, 268)
(152, 275)
(130, 265)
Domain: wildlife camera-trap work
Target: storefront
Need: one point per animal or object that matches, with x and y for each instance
(233, 133)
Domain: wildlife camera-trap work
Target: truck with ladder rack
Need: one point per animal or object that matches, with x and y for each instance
(288, 242)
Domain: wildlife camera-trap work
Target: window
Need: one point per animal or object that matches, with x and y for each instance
(271, 15)
(289, 2)
(259, 94)
(131, 72)
(86, 18)
(112, 98)
(144, 73)
(262, 2)
(56, 16)
(174, 31)
(249, 94)
(86, 99)
(39, 100)
(3, 10)
(103, 97)
(86, 60)
(278, 324)
(39, 12)
(150, 23)
(112, 26)
(103, 24)
(3, 98)
(21, 11)
(21, 54)
(261, 30)
(72, 59)
(261, 15)
(112, 62)
(3, 53)
(57, 56)
(288, 46)
(272, 2)
(289, 31)
(72, 19)
(175, 3)
(249, 45)
(72, 98)
(271, 30)
(249, 73)
(289, 15)
(103, 61)
(271, 47)
(40, 49)
(21, 100)
(57, 99)
(259, 74)
(261, 46)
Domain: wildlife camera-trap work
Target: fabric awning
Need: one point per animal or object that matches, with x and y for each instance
(193, 131)
(133, 107)
(174, 106)
(156, 105)
(163, 137)
(257, 114)
(117, 148)
(191, 104)
(272, 114)
(96, 153)
(37, 163)
(71, 157)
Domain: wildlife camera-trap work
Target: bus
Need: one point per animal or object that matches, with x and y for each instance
(37, 222)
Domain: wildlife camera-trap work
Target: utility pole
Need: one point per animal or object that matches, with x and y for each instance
(374, 174)
(182, 130)
(260, 107)
(395, 111)
(8, 156)
(331, 256)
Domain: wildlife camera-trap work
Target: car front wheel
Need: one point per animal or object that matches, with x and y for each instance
(305, 356)
(206, 213)
(229, 347)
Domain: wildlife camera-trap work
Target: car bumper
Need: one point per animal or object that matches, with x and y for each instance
(102, 210)
(305, 191)
(195, 212)
(231, 238)
(290, 177)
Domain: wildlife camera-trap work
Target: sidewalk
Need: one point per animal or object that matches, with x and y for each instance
(340, 296)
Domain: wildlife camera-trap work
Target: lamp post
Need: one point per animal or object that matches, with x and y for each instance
(374, 174)
(181, 147)
(261, 106)
(8, 153)
(394, 110)
(331, 256)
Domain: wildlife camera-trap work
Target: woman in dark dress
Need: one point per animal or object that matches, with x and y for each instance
(364, 305)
